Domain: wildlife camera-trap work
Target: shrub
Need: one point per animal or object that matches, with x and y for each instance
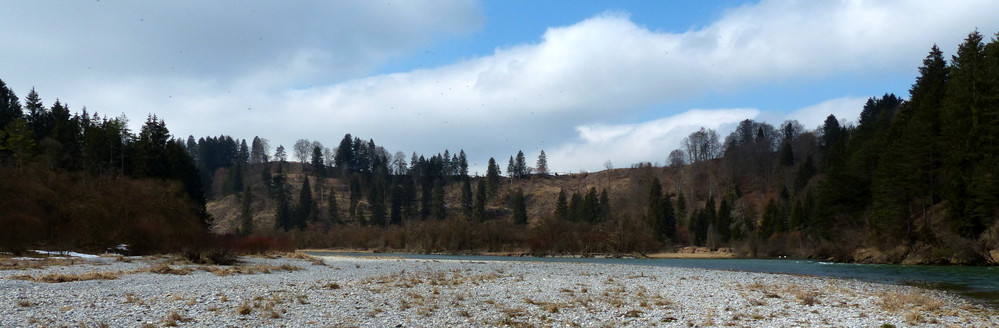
(214, 256)
(18, 231)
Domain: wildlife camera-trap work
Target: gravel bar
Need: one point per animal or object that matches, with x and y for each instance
(363, 292)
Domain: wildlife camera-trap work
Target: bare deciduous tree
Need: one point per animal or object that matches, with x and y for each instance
(302, 149)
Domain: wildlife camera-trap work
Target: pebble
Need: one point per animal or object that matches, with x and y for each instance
(420, 293)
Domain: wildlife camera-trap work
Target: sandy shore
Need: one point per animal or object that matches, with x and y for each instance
(341, 291)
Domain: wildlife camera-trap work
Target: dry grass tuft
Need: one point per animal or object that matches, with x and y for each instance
(163, 268)
(63, 277)
(244, 309)
(918, 300)
(24, 264)
(24, 303)
(633, 314)
(171, 319)
(808, 298)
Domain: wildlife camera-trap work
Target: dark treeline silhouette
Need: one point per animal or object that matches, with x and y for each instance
(913, 181)
(85, 181)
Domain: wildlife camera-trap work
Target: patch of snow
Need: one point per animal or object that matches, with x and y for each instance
(66, 253)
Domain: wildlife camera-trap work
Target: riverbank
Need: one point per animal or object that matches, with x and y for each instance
(689, 252)
(349, 291)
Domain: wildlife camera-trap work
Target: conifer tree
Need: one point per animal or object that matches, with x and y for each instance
(519, 208)
(479, 208)
(561, 206)
(660, 213)
(466, 198)
(542, 165)
(492, 178)
(439, 207)
(318, 166)
(724, 221)
(462, 165)
(306, 206)
(397, 203)
(10, 106)
(246, 213)
(19, 140)
(511, 168)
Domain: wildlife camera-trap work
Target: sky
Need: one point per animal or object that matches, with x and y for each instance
(585, 81)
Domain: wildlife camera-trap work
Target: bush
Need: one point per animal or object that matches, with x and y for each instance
(213, 256)
(18, 231)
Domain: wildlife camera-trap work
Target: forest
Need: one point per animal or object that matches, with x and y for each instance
(911, 181)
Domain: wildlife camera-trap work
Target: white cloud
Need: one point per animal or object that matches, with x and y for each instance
(846, 109)
(627, 144)
(593, 80)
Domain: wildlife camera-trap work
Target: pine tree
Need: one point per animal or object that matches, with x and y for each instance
(10, 106)
(462, 165)
(702, 222)
(724, 221)
(246, 213)
(511, 168)
(520, 165)
(479, 208)
(19, 140)
(397, 204)
(438, 210)
(519, 208)
(306, 206)
(39, 118)
(591, 206)
(492, 178)
(466, 198)
(576, 207)
(561, 206)
(768, 224)
(318, 166)
(542, 165)
(660, 213)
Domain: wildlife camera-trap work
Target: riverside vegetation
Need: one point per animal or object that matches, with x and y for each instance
(912, 181)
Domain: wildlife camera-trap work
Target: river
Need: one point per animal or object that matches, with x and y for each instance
(979, 283)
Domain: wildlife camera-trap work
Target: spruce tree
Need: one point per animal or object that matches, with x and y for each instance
(542, 165)
(724, 221)
(561, 206)
(318, 166)
(246, 213)
(492, 178)
(479, 208)
(10, 106)
(660, 213)
(306, 206)
(519, 208)
(438, 211)
(466, 198)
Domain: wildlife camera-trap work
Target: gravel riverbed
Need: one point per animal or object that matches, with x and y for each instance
(347, 292)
